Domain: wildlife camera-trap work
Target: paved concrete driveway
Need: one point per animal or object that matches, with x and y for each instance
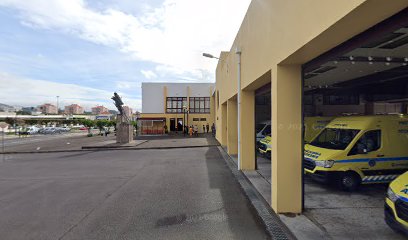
(133, 194)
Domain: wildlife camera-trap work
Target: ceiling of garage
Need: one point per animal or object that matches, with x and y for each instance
(379, 60)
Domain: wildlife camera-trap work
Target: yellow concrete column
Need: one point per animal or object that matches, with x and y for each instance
(232, 131)
(286, 139)
(211, 120)
(221, 130)
(212, 110)
(247, 128)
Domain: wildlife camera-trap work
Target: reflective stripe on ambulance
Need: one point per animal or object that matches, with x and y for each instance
(379, 178)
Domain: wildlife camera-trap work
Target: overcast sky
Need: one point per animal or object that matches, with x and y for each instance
(84, 50)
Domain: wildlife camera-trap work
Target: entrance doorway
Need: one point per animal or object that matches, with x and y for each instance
(172, 124)
(179, 124)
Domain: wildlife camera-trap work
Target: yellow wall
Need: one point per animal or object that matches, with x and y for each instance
(276, 38)
(295, 31)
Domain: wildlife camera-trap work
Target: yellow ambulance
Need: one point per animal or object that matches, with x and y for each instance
(359, 150)
(313, 126)
(265, 146)
(396, 204)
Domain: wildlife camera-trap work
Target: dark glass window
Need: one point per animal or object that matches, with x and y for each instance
(199, 105)
(341, 99)
(175, 104)
(334, 138)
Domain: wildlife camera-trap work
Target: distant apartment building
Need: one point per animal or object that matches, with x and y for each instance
(47, 108)
(99, 110)
(74, 109)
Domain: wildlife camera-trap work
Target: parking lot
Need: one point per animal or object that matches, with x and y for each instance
(128, 194)
(55, 142)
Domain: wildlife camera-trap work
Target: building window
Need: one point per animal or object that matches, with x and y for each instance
(352, 99)
(203, 119)
(199, 105)
(196, 119)
(175, 104)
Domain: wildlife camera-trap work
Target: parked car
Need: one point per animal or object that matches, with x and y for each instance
(32, 130)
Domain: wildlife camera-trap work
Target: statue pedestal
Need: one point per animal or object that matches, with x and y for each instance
(124, 130)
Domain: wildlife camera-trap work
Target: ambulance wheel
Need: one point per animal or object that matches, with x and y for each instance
(349, 181)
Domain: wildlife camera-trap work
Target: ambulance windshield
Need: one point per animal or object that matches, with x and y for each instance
(334, 138)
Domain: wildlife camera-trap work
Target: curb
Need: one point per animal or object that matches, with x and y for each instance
(113, 146)
(274, 226)
(109, 149)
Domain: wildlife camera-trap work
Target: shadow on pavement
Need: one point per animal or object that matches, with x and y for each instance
(243, 221)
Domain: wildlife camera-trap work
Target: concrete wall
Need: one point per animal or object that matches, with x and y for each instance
(154, 94)
(276, 38)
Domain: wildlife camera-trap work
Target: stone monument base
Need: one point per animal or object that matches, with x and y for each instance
(124, 131)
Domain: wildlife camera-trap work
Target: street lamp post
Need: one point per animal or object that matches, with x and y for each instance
(184, 120)
(3, 126)
(210, 56)
(238, 52)
(58, 104)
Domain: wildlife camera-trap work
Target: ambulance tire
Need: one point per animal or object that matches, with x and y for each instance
(349, 181)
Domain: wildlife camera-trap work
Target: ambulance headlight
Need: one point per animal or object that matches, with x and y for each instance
(328, 163)
(325, 164)
(391, 195)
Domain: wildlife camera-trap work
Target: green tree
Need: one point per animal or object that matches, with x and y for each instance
(134, 124)
(101, 124)
(88, 123)
(9, 121)
(111, 123)
(23, 113)
(31, 121)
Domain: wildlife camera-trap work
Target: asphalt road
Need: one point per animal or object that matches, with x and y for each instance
(59, 142)
(129, 194)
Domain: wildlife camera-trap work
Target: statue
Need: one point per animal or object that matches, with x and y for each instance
(119, 104)
(124, 129)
